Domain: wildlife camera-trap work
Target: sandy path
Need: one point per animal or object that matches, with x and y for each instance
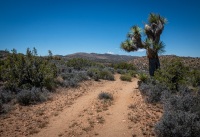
(88, 116)
(58, 125)
(117, 124)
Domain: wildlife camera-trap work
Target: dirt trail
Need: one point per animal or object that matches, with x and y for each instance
(79, 113)
(115, 123)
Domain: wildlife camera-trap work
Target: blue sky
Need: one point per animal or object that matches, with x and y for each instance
(69, 26)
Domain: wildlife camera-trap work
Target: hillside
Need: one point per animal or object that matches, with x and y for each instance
(142, 62)
(104, 58)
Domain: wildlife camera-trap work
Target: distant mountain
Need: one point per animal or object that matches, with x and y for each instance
(104, 58)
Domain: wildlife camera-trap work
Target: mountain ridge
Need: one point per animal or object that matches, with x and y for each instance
(106, 58)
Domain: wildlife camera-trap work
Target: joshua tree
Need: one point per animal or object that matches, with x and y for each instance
(153, 29)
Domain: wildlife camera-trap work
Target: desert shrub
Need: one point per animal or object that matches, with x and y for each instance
(112, 70)
(194, 77)
(1, 107)
(79, 63)
(106, 74)
(73, 82)
(144, 87)
(72, 78)
(184, 101)
(27, 71)
(126, 77)
(143, 77)
(105, 95)
(82, 76)
(178, 123)
(132, 73)
(172, 74)
(181, 115)
(35, 95)
(6, 96)
(153, 91)
(100, 73)
(24, 97)
(94, 73)
(1, 69)
(121, 71)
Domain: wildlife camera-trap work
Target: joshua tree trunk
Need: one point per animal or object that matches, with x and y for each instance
(154, 64)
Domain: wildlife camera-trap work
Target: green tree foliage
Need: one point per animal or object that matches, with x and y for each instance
(79, 63)
(194, 77)
(124, 65)
(27, 71)
(172, 74)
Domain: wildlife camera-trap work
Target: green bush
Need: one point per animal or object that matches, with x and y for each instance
(94, 73)
(143, 77)
(106, 75)
(27, 71)
(98, 73)
(121, 71)
(194, 77)
(79, 63)
(126, 77)
(172, 74)
(132, 73)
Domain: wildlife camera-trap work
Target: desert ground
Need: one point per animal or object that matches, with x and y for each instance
(78, 112)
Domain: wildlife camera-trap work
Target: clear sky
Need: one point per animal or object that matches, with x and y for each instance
(69, 26)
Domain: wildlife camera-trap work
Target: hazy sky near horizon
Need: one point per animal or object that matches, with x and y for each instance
(69, 26)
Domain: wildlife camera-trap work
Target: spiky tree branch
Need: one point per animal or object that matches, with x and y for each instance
(153, 29)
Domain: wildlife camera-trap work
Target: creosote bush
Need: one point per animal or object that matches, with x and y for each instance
(99, 73)
(106, 74)
(172, 74)
(79, 63)
(126, 77)
(105, 96)
(125, 66)
(33, 96)
(143, 77)
(94, 73)
(27, 71)
(28, 78)
(122, 71)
